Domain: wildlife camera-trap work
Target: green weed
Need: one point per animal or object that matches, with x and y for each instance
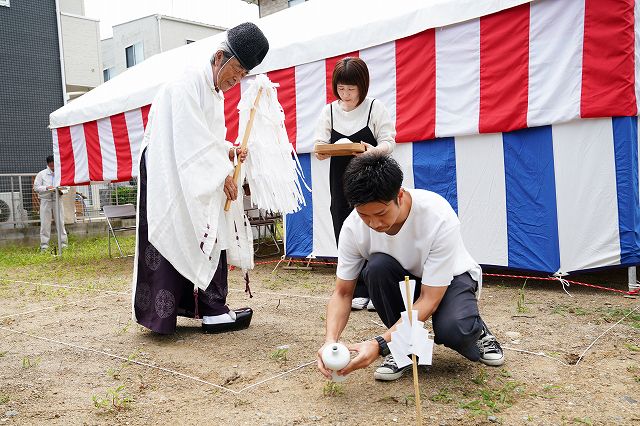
(280, 354)
(332, 389)
(28, 362)
(443, 395)
(115, 373)
(115, 398)
(521, 304)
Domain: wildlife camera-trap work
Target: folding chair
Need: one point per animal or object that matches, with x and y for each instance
(124, 211)
(265, 225)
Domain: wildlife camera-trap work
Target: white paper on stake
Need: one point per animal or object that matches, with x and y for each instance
(403, 291)
(410, 337)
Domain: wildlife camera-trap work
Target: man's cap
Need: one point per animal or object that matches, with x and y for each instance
(248, 44)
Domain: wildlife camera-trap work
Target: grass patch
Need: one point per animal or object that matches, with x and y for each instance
(632, 347)
(4, 398)
(615, 314)
(86, 264)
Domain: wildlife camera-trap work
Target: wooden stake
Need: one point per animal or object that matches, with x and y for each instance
(416, 384)
(245, 140)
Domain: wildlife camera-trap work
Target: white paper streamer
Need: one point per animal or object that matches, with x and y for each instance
(272, 167)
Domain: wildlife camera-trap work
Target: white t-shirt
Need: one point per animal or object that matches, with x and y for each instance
(429, 244)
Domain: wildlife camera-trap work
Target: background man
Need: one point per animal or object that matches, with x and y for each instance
(43, 186)
(395, 232)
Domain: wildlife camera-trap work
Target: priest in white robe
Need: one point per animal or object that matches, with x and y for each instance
(184, 237)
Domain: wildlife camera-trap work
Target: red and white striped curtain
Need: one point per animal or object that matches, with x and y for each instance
(540, 63)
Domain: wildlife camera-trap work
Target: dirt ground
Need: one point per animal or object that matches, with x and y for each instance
(56, 368)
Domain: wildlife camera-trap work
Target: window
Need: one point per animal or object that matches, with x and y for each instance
(187, 41)
(107, 74)
(4, 3)
(295, 2)
(134, 54)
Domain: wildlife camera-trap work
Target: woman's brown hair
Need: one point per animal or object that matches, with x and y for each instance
(352, 71)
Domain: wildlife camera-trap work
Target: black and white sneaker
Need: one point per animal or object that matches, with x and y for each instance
(359, 303)
(490, 351)
(389, 370)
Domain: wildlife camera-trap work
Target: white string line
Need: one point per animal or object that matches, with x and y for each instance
(54, 307)
(302, 296)
(66, 286)
(301, 366)
(605, 332)
(538, 354)
(155, 367)
(133, 361)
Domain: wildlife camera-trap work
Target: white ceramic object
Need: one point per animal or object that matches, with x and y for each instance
(335, 357)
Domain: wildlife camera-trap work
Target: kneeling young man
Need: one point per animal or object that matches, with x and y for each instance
(395, 232)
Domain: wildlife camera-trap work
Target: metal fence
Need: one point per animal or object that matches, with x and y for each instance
(20, 205)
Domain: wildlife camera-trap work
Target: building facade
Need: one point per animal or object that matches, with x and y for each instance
(268, 7)
(137, 40)
(30, 83)
(81, 49)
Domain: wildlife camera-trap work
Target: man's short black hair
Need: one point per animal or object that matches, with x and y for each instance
(372, 177)
(49, 159)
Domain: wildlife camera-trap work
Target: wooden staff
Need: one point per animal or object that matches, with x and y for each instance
(245, 140)
(416, 385)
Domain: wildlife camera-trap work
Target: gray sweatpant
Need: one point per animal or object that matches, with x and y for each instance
(456, 321)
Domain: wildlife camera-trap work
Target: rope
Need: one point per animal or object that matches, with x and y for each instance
(518, 277)
(155, 367)
(606, 331)
(53, 307)
(66, 286)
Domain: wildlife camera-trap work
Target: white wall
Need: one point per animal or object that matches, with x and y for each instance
(80, 41)
(108, 53)
(176, 33)
(75, 7)
(144, 30)
(155, 35)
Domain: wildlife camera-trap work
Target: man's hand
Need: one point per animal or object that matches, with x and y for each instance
(367, 352)
(368, 149)
(321, 156)
(49, 188)
(241, 153)
(230, 188)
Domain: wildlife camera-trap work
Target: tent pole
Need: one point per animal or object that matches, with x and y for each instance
(633, 283)
(56, 212)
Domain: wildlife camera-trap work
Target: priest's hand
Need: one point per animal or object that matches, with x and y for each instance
(241, 153)
(230, 188)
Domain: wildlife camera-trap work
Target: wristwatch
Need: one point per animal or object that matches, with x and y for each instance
(382, 345)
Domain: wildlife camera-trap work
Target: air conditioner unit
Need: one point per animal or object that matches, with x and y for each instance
(10, 207)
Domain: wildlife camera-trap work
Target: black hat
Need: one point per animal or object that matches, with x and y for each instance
(248, 44)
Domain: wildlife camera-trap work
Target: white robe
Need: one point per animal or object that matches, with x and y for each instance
(187, 161)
